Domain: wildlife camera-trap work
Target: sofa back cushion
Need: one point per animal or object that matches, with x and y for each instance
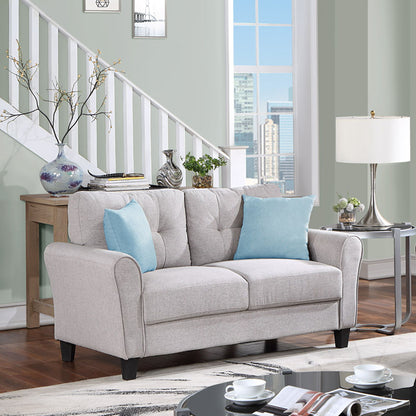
(164, 209)
(215, 216)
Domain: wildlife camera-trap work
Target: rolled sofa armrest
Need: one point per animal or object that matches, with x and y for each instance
(344, 251)
(97, 296)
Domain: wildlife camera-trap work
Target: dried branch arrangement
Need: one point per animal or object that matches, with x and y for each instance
(77, 105)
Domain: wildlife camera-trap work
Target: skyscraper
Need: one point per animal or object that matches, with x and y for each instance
(284, 121)
(269, 145)
(244, 125)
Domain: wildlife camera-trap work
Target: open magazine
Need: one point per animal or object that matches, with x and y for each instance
(294, 401)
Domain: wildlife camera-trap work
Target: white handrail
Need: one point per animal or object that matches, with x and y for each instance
(122, 78)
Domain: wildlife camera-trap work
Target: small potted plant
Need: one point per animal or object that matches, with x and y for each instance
(347, 209)
(202, 167)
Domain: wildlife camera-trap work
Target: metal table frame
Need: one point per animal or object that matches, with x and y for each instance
(396, 233)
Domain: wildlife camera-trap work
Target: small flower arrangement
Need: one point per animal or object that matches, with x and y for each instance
(348, 205)
(347, 208)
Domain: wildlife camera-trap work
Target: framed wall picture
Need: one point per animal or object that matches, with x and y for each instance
(149, 18)
(109, 6)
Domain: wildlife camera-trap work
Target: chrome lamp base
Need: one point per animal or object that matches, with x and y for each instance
(373, 219)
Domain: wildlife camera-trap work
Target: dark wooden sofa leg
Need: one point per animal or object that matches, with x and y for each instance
(270, 345)
(129, 368)
(341, 337)
(67, 351)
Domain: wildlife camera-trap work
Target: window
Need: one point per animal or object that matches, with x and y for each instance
(273, 85)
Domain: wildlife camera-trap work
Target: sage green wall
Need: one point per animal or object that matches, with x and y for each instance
(186, 73)
(388, 94)
(342, 49)
(371, 70)
(412, 89)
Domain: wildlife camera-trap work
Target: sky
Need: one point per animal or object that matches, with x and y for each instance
(275, 43)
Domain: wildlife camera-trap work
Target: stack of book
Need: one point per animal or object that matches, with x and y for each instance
(118, 182)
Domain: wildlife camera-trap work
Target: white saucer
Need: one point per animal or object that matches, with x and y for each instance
(368, 384)
(266, 395)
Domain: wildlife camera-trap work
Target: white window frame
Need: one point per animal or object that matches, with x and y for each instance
(305, 93)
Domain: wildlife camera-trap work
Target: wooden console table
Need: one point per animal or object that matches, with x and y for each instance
(41, 209)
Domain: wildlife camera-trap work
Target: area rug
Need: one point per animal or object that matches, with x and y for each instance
(156, 393)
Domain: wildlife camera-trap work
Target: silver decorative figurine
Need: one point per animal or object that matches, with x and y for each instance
(169, 175)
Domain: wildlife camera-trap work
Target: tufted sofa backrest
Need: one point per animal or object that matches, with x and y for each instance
(164, 210)
(214, 218)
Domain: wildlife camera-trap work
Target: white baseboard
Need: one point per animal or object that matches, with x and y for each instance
(382, 269)
(14, 316)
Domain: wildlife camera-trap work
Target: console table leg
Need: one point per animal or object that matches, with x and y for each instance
(32, 270)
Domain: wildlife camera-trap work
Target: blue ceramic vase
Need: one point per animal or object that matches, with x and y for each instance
(61, 176)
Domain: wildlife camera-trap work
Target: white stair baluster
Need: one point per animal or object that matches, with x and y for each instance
(146, 138)
(92, 107)
(72, 78)
(196, 147)
(53, 74)
(180, 149)
(216, 172)
(163, 136)
(34, 58)
(110, 132)
(128, 128)
(13, 51)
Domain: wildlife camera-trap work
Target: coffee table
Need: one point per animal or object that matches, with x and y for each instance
(210, 401)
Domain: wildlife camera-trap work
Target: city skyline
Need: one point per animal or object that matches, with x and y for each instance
(268, 136)
(263, 99)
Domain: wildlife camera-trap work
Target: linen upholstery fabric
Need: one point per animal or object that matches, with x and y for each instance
(164, 209)
(183, 292)
(246, 326)
(97, 299)
(343, 251)
(275, 228)
(102, 299)
(128, 231)
(281, 282)
(214, 218)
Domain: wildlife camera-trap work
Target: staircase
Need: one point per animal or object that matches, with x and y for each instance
(133, 143)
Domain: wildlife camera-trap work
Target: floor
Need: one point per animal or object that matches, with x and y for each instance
(31, 357)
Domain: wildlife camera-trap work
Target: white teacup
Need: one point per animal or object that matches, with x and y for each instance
(371, 372)
(247, 388)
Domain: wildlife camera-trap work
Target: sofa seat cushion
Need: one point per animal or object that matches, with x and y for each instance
(186, 292)
(281, 282)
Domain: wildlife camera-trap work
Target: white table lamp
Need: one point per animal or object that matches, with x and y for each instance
(373, 140)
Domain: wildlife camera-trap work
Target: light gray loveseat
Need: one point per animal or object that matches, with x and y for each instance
(198, 296)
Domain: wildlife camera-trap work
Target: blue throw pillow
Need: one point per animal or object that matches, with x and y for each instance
(275, 228)
(127, 230)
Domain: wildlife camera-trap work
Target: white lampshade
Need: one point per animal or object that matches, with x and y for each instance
(372, 140)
